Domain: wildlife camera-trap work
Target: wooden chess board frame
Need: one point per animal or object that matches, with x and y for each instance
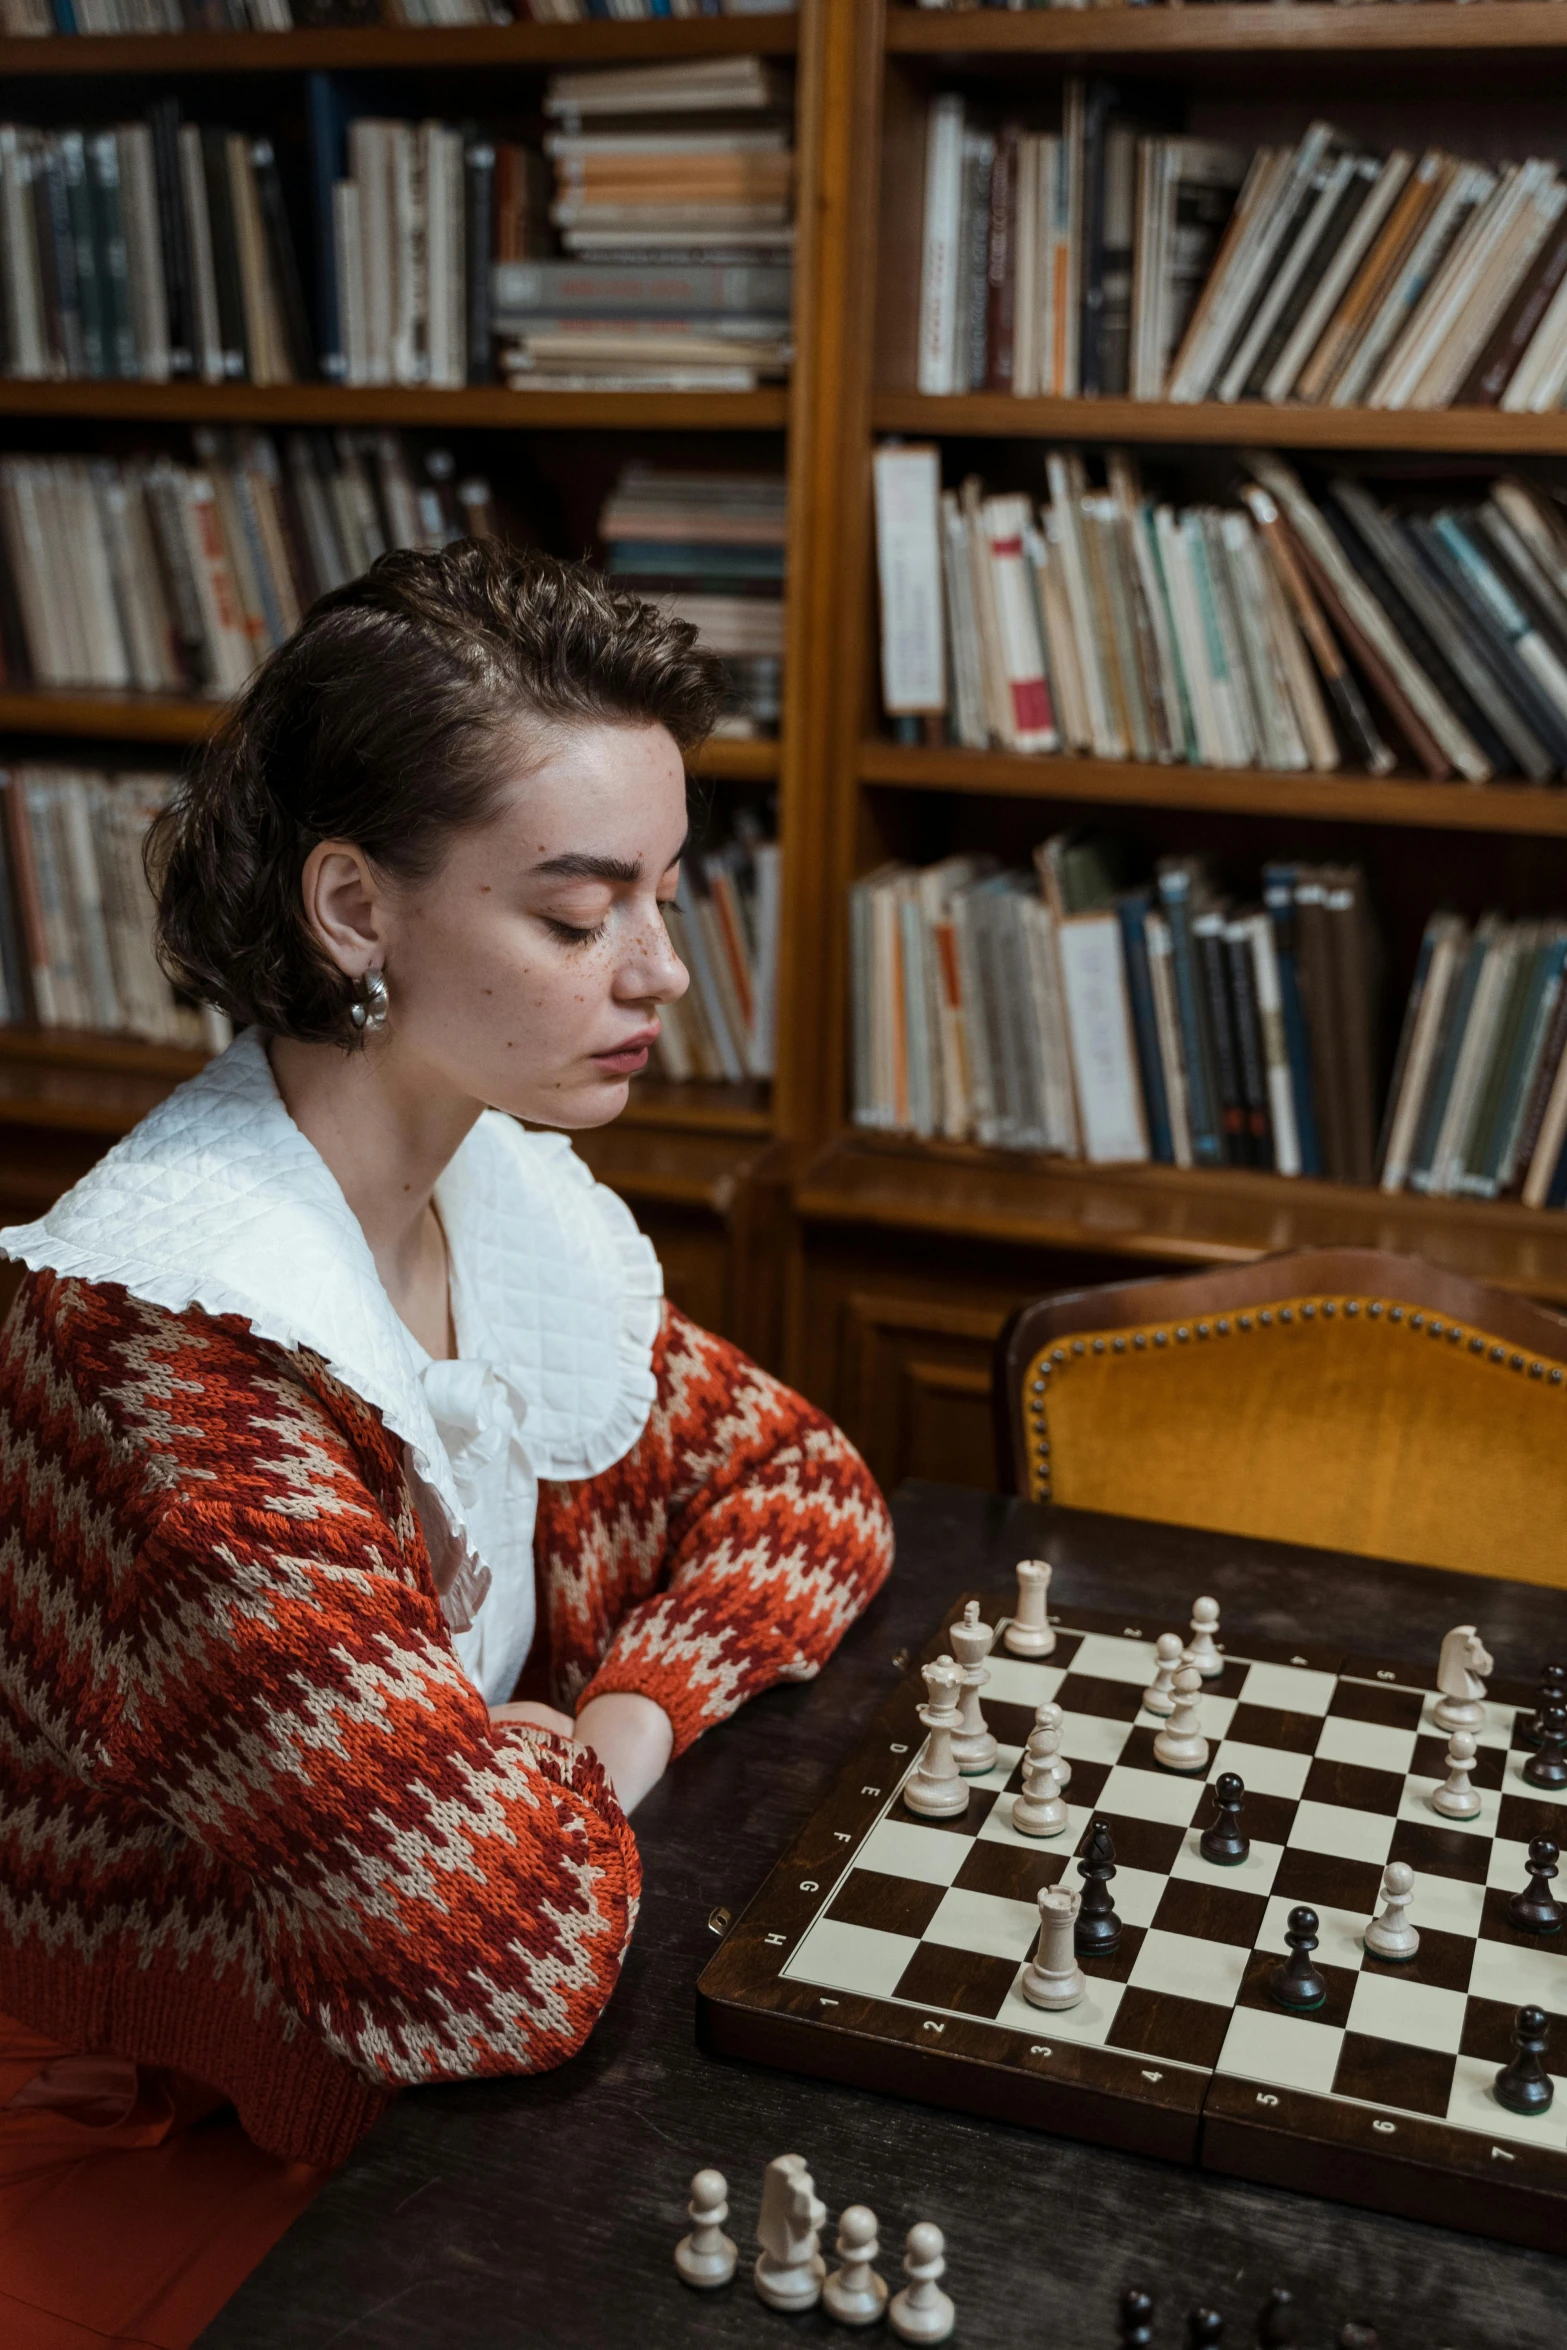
(884, 1948)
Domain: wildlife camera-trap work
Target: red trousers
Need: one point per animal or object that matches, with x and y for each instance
(131, 2203)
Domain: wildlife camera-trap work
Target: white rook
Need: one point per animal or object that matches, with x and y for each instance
(1052, 1977)
(1029, 1632)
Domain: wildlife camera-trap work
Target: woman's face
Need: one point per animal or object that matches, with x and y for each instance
(529, 972)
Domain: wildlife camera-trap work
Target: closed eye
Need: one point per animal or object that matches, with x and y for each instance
(571, 935)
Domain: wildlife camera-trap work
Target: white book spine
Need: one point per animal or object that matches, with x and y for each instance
(941, 274)
(908, 562)
(1275, 1050)
(1104, 1056)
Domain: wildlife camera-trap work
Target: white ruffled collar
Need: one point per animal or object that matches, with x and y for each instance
(218, 1200)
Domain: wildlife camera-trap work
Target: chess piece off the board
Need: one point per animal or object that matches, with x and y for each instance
(1040, 1810)
(1536, 1909)
(1552, 1691)
(1297, 1982)
(1202, 1650)
(1391, 1935)
(1547, 1766)
(1460, 1703)
(789, 2268)
(1203, 2328)
(973, 1746)
(1029, 1633)
(1455, 1799)
(1136, 2319)
(922, 2312)
(854, 2294)
(1523, 2085)
(936, 1785)
(1052, 1978)
(1180, 1745)
(1098, 1930)
(1159, 1696)
(707, 2256)
(1277, 2325)
(1224, 1841)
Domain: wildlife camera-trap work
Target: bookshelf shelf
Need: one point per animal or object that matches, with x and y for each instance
(128, 717)
(1163, 1214)
(480, 408)
(1432, 25)
(1245, 424)
(1342, 799)
(403, 45)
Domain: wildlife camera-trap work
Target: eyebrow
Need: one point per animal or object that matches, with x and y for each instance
(577, 865)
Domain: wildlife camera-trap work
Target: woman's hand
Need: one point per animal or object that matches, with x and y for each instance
(535, 1717)
(632, 1737)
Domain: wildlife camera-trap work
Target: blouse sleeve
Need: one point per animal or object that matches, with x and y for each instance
(439, 1897)
(774, 1536)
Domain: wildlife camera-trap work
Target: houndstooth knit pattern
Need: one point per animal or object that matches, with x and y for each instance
(255, 1822)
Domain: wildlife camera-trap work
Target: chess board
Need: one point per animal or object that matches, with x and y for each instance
(885, 1948)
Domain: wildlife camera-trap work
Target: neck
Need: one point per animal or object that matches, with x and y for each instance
(387, 1133)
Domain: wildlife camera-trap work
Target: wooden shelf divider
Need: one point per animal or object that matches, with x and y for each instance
(481, 407)
(445, 46)
(1248, 791)
(1243, 424)
(1163, 30)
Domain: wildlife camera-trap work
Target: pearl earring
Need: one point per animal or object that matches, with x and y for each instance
(374, 1003)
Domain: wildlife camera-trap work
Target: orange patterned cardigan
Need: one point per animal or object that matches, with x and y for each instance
(255, 1824)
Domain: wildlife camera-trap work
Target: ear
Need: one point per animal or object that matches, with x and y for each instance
(345, 906)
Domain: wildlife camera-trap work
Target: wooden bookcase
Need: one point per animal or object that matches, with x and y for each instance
(875, 1272)
(908, 1255)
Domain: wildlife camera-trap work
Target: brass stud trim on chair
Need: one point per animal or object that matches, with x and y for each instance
(1183, 1334)
(1308, 1313)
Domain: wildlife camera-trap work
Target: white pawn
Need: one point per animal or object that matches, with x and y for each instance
(1200, 1649)
(1180, 1745)
(707, 2256)
(1455, 1799)
(854, 2294)
(1052, 1978)
(1039, 1810)
(972, 1744)
(1391, 1935)
(1157, 1698)
(789, 2268)
(1029, 1633)
(1050, 1717)
(937, 1786)
(922, 2312)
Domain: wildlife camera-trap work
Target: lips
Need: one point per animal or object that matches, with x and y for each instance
(626, 1058)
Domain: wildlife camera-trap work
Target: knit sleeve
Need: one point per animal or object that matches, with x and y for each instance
(772, 1535)
(438, 1897)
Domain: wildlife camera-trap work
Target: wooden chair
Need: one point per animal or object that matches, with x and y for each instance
(1345, 1398)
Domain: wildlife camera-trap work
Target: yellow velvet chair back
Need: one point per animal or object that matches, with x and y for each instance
(1347, 1399)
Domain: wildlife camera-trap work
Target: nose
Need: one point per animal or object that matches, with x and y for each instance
(653, 972)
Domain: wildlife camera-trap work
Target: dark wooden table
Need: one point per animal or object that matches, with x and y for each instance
(544, 2212)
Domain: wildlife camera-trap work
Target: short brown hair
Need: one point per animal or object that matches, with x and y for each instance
(387, 719)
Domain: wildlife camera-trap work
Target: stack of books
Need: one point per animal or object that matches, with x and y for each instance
(76, 914)
(724, 927)
(40, 18)
(589, 11)
(709, 548)
(1105, 257)
(1286, 630)
(151, 251)
(145, 573)
(672, 171)
(405, 299)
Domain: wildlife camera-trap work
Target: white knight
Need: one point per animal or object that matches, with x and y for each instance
(1460, 1703)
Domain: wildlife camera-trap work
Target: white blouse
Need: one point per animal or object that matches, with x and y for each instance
(217, 1200)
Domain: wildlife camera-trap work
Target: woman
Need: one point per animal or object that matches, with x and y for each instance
(335, 1404)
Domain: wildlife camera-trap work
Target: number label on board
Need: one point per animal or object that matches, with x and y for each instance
(1148, 2076)
(1386, 2128)
(1131, 1631)
(930, 2025)
(777, 1940)
(870, 1790)
(1387, 1676)
(1297, 1660)
(1038, 2050)
(843, 1836)
(1500, 2154)
(1266, 2097)
(898, 1747)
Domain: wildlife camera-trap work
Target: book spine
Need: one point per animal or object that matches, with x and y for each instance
(1132, 913)
(1248, 1042)
(1208, 940)
(1278, 897)
(1197, 1051)
(479, 231)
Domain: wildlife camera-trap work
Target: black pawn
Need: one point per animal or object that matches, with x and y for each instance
(1203, 2327)
(1547, 1766)
(1295, 1982)
(1098, 1930)
(1536, 1910)
(1136, 2320)
(1224, 1840)
(1524, 2086)
(1552, 1691)
(1276, 2324)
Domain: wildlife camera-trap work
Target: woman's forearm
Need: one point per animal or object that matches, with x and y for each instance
(632, 1737)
